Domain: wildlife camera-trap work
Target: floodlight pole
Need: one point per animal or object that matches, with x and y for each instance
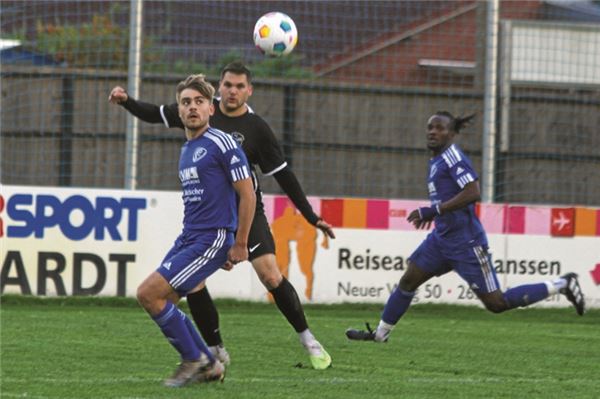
(133, 80)
(490, 102)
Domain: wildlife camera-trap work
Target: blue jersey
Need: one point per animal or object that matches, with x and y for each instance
(449, 172)
(208, 165)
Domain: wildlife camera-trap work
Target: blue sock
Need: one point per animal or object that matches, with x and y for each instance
(197, 338)
(396, 306)
(172, 324)
(525, 295)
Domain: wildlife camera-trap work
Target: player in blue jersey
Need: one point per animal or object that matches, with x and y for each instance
(458, 241)
(234, 116)
(212, 169)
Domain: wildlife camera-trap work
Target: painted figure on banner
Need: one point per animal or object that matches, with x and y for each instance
(292, 227)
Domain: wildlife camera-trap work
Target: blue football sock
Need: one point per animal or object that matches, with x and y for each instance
(197, 338)
(396, 306)
(172, 324)
(524, 295)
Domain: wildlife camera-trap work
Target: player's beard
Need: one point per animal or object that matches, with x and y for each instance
(195, 121)
(195, 125)
(231, 107)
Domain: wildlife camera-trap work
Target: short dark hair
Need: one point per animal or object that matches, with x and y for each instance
(456, 122)
(238, 68)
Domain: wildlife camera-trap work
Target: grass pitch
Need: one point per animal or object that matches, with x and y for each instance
(109, 348)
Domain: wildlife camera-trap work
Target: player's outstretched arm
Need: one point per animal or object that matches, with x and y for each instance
(147, 112)
(291, 187)
(246, 206)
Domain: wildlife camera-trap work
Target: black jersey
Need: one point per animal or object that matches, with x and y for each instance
(257, 140)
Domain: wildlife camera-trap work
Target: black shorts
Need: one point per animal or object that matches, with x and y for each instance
(260, 239)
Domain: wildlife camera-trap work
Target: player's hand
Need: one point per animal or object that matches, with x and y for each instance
(325, 228)
(117, 95)
(237, 253)
(428, 213)
(421, 219)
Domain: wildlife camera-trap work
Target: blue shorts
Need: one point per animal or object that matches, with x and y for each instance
(472, 262)
(194, 257)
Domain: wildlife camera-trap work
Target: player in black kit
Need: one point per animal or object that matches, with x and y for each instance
(233, 115)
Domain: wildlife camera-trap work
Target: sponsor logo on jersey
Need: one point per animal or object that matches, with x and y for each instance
(431, 188)
(167, 265)
(239, 137)
(459, 170)
(234, 159)
(189, 175)
(108, 218)
(199, 154)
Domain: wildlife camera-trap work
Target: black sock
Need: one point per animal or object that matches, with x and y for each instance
(205, 316)
(289, 304)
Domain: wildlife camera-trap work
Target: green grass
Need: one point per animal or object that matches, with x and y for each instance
(109, 348)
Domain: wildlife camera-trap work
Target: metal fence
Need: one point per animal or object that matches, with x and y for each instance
(349, 106)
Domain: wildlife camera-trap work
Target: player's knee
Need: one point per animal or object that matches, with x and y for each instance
(142, 296)
(495, 305)
(145, 296)
(270, 277)
(408, 283)
(271, 280)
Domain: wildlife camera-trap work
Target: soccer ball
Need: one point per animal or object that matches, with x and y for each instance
(275, 34)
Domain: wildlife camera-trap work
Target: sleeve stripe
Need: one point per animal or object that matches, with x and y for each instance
(217, 142)
(445, 156)
(277, 169)
(240, 173)
(451, 156)
(229, 141)
(456, 153)
(223, 140)
(163, 116)
(464, 180)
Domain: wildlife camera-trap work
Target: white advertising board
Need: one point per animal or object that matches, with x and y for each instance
(105, 242)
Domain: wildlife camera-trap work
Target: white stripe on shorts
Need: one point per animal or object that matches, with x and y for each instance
(488, 275)
(203, 259)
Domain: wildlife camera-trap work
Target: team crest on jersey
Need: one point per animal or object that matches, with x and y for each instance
(432, 171)
(199, 154)
(238, 137)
